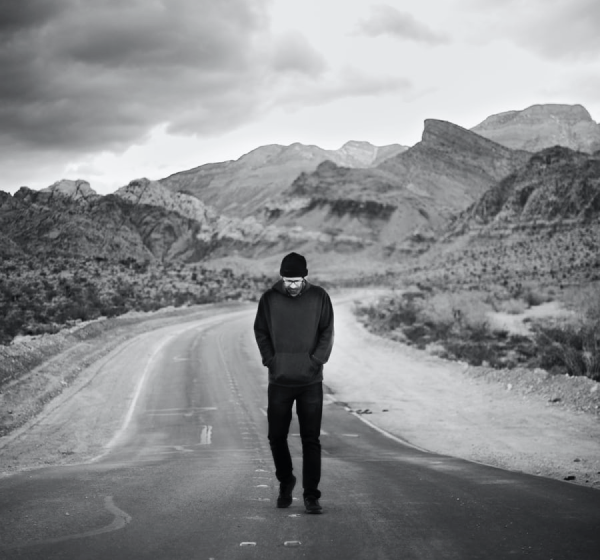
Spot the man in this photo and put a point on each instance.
(294, 333)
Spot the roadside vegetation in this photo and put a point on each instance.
(45, 297)
(459, 325)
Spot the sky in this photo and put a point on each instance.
(113, 90)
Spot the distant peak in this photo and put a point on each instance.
(75, 188)
(357, 144)
(562, 113)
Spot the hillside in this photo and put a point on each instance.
(403, 201)
(540, 225)
(241, 188)
(543, 126)
(504, 216)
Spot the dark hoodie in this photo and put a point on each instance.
(294, 334)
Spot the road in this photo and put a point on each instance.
(188, 475)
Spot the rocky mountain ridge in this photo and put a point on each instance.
(557, 185)
(543, 126)
(240, 188)
(403, 201)
(400, 205)
(538, 226)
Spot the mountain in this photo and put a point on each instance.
(142, 221)
(404, 200)
(242, 187)
(556, 185)
(540, 224)
(543, 126)
(73, 189)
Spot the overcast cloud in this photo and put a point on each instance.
(387, 20)
(116, 68)
(103, 86)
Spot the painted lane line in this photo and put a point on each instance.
(247, 543)
(388, 435)
(206, 435)
(261, 486)
(263, 411)
(292, 543)
(179, 410)
(138, 392)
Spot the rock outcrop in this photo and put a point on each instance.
(78, 189)
(556, 185)
(543, 126)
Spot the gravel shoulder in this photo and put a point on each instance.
(518, 420)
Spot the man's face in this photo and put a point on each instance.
(293, 285)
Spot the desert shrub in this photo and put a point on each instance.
(461, 311)
(532, 294)
(586, 302)
(473, 352)
(512, 306)
(574, 349)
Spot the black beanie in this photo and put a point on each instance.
(293, 266)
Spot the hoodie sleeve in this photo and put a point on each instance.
(262, 332)
(326, 332)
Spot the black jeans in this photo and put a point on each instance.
(309, 408)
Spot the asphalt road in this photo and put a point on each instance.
(189, 476)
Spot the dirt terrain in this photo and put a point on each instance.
(519, 420)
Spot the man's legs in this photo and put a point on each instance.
(279, 415)
(309, 407)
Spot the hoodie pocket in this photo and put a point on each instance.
(293, 369)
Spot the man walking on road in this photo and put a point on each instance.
(294, 333)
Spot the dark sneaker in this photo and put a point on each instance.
(285, 493)
(312, 505)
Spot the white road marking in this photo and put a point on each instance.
(138, 392)
(206, 435)
(388, 435)
(179, 410)
(247, 543)
(263, 411)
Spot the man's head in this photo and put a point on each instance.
(293, 270)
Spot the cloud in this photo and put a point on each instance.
(293, 53)
(571, 30)
(347, 82)
(561, 29)
(386, 20)
(84, 76)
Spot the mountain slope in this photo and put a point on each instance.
(405, 199)
(540, 224)
(543, 126)
(241, 188)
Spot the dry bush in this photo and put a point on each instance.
(574, 345)
(512, 306)
(462, 310)
(585, 300)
